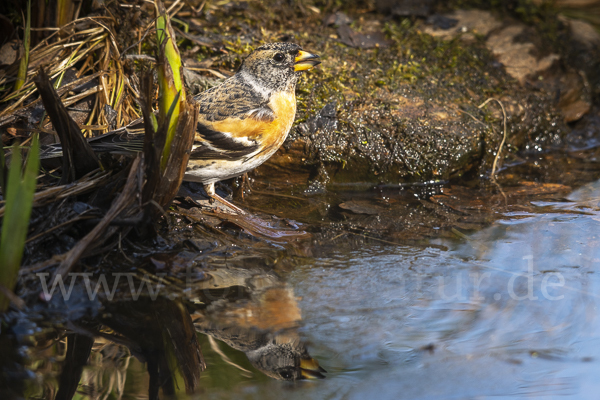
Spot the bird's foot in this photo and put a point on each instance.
(230, 205)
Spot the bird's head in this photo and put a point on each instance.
(278, 65)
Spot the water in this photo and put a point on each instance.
(509, 311)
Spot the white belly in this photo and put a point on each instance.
(219, 170)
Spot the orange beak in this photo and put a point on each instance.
(310, 369)
(305, 61)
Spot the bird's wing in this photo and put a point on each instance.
(212, 143)
(232, 120)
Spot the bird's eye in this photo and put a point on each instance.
(287, 375)
(278, 57)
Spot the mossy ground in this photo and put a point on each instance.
(404, 111)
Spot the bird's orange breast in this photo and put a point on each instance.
(270, 134)
(283, 105)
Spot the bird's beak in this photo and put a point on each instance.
(304, 60)
(310, 369)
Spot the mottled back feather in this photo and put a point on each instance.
(234, 98)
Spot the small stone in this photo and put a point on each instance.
(574, 111)
(516, 57)
(583, 32)
(338, 19)
(475, 21)
(9, 52)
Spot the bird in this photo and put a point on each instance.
(242, 122)
(281, 355)
(262, 321)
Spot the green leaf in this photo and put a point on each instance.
(24, 64)
(19, 200)
(170, 80)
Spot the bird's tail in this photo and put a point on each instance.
(128, 140)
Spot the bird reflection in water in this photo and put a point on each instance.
(259, 317)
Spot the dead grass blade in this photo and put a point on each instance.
(56, 193)
(78, 156)
(92, 48)
(24, 63)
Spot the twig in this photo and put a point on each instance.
(66, 223)
(16, 300)
(121, 250)
(217, 349)
(472, 116)
(494, 165)
(59, 192)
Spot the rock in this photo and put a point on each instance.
(582, 52)
(468, 22)
(359, 40)
(325, 120)
(574, 111)
(9, 52)
(337, 19)
(361, 207)
(442, 21)
(411, 112)
(517, 57)
(583, 32)
(373, 37)
(573, 102)
(405, 8)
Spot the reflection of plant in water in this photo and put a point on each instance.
(107, 372)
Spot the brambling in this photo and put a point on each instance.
(245, 119)
(242, 121)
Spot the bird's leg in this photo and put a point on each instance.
(210, 191)
(209, 188)
(246, 183)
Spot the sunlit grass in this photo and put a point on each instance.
(169, 80)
